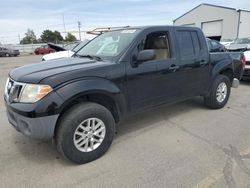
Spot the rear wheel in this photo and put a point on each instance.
(7, 55)
(220, 92)
(85, 132)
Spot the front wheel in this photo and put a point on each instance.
(85, 132)
(220, 92)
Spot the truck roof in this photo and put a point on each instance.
(99, 31)
(154, 27)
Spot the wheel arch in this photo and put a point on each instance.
(108, 96)
(223, 68)
(103, 98)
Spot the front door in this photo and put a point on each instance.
(152, 83)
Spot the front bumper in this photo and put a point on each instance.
(41, 128)
(36, 120)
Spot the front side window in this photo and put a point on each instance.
(109, 45)
(158, 41)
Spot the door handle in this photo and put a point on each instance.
(174, 67)
(202, 62)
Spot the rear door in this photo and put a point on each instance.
(194, 62)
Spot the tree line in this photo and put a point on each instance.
(46, 36)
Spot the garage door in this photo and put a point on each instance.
(212, 29)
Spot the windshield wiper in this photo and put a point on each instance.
(90, 57)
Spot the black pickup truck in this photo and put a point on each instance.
(78, 101)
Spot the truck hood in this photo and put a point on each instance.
(34, 73)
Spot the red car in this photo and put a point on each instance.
(44, 50)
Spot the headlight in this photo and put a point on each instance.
(32, 93)
(6, 86)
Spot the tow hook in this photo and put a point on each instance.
(235, 83)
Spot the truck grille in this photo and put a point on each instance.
(13, 90)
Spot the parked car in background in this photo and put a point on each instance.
(226, 42)
(45, 49)
(79, 101)
(68, 51)
(246, 74)
(241, 44)
(215, 46)
(7, 52)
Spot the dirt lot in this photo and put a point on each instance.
(183, 145)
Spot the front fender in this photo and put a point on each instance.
(75, 89)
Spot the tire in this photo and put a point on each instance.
(7, 55)
(69, 125)
(218, 99)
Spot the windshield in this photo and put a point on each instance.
(70, 46)
(80, 45)
(109, 45)
(242, 41)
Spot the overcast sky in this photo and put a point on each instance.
(18, 15)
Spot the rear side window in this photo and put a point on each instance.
(185, 44)
(196, 41)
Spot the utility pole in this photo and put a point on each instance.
(239, 22)
(64, 25)
(19, 38)
(79, 29)
(3, 41)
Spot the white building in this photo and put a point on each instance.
(217, 22)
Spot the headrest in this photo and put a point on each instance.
(160, 43)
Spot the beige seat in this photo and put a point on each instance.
(161, 48)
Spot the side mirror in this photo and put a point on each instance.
(146, 55)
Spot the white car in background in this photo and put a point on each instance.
(240, 44)
(226, 42)
(246, 73)
(68, 51)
